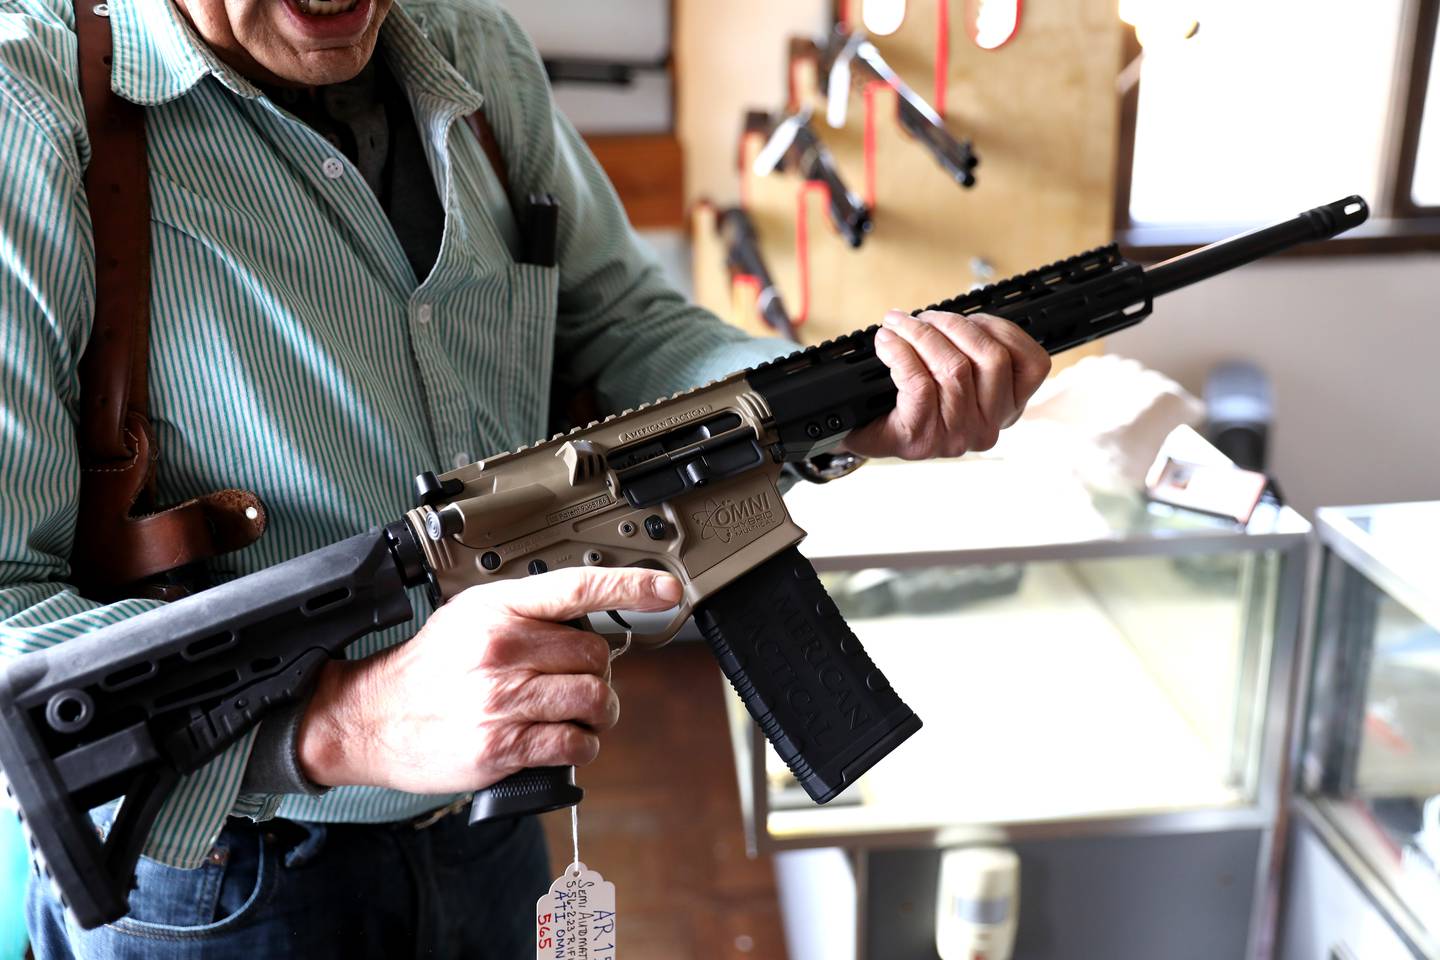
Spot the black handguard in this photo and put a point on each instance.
(817, 696)
(127, 710)
(819, 394)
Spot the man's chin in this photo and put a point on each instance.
(317, 68)
(324, 48)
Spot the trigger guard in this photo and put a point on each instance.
(652, 641)
(649, 641)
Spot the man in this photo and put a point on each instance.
(335, 304)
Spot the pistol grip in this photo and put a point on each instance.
(533, 791)
(817, 696)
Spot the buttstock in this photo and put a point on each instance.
(129, 708)
(803, 675)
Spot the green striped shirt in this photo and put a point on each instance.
(293, 350)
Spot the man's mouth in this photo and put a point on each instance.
(330, 23)
(325, 8)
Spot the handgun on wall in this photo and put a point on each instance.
(836, 59)
(690, 484)
(744, 258)
(795, 139)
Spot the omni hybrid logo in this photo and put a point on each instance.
(728, 518)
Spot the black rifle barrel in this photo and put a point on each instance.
(1318, 223)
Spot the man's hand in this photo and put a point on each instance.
(961, 380)
(492, 684)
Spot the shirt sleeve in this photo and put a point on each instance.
(620, 325)
(46, 308)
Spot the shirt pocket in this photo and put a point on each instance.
(534, 294)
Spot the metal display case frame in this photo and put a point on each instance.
(1325, 745)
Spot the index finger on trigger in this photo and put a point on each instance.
(563, 595)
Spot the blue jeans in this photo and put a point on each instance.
(284, 889)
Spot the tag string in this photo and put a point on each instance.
(575, 809)
(575, 836)
(618, 651)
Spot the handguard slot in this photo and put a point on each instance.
(1065, 304)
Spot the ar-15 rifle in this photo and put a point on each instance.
(743, 257)
(689, 485)
(918, 118)
(793, 137)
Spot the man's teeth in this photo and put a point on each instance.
(326, 8)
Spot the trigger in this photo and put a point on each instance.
(615, 615)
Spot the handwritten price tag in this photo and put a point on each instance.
(576, 919)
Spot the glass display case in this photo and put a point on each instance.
(1087, 665)
(1074, 656)
(1368, 767)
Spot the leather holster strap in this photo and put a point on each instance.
(483, 132)
(113, 369)
(119, 541)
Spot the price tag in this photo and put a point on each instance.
(576, 919)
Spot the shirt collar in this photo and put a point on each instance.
(157, 57)
(419, 66)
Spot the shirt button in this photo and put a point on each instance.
(332, 168)
(423, 314)
(462, 459)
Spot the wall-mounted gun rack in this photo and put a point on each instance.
(1018, 171)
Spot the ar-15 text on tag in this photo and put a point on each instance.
(576, 919)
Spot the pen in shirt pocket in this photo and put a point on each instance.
(538, 230)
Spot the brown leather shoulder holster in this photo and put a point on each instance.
(124, 545)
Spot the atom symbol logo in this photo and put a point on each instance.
(710, 526)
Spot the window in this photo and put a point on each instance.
(1270, 108)
(1426, 192)
(1425, 189)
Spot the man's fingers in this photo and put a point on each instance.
(992, 371)
(562, 595)
(947, 364)
(953, 376)
(545, 648)
(913, 421)
(907, 369)
(1029, 361)
(576, 698)
(550, 745)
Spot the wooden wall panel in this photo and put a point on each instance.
(730, 57)
(1042, 113)
(648, 173)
